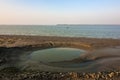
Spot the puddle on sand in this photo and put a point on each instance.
(55, 54)
(71, 59)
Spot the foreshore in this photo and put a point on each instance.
(53, 41)
(12, 44)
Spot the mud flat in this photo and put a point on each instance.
(100, 61)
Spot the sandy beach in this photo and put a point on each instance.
(46, 42)
(103, 56)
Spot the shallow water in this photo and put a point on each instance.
(98, 60)
(55, 54)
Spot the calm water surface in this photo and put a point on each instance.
(55, 54)
(96, 31)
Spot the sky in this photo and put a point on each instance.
(47, 12)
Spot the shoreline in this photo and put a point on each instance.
(55, 41)
(20, 44)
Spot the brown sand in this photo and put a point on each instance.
(98, 49)
(103, 54)
(48, 42)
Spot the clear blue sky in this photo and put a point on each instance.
(59, 11)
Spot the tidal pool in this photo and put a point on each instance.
(71, 59)
(55, 54)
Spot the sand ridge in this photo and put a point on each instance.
(46, 42)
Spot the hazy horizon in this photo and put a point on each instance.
(59, 24)
(53, 12)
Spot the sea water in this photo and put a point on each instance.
(92, 31)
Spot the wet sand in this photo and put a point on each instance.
(48, 42)
(102, 54)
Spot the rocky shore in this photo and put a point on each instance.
(15, 74)
(10, 45)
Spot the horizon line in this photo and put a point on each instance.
(54, 24)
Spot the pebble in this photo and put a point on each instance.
(111, 74)
(60, 76)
